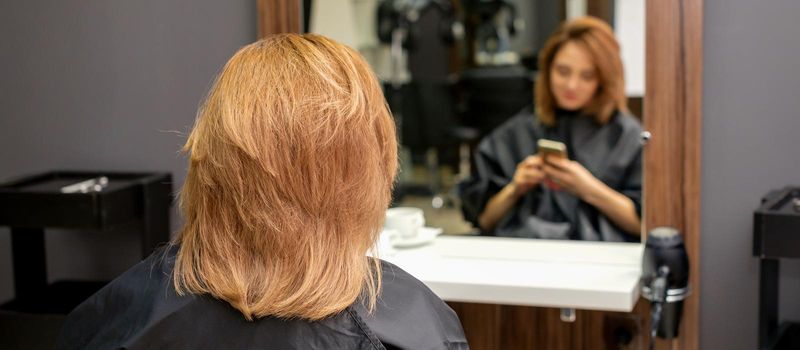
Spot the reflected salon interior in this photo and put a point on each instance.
(399, 174)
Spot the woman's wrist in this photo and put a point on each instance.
(513, 190)
(498, 206)
(595, 194)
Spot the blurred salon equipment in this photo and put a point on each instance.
(776, 235)
(497, 23)
(421, 35)
(441, 110)
(96, 201)
(665, 280)
(496, 85)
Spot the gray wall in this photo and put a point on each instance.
(751, 125)
(105, 85)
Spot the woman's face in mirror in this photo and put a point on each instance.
(573, 77)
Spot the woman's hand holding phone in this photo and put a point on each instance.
(571, 176)
(528, 175)
(552, 167)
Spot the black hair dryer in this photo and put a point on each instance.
(665, 280)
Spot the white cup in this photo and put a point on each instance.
(406, 221)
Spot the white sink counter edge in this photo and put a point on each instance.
(529, 272)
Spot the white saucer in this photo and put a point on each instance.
(425, 236)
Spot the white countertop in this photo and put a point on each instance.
(531, 272)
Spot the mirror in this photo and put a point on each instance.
(456, 72)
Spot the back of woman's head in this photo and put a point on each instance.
(597, 39)
(292, 161)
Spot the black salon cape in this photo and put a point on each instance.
(611, 152)
(140, 310)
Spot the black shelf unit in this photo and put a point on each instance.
(31, 204)
(776, 236)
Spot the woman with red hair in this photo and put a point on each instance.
(291, 165)
(595, 192)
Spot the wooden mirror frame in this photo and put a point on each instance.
(673, 114)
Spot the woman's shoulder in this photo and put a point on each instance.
(141, 310)
(409, 315)
(140, 307)
(518, 129)
(124, 307)
(628, 121)
(399, 286)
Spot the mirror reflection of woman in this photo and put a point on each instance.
(594, 193)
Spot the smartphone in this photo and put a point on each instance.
(548, 148)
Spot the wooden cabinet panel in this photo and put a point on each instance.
(481, 323)
(522, 327)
